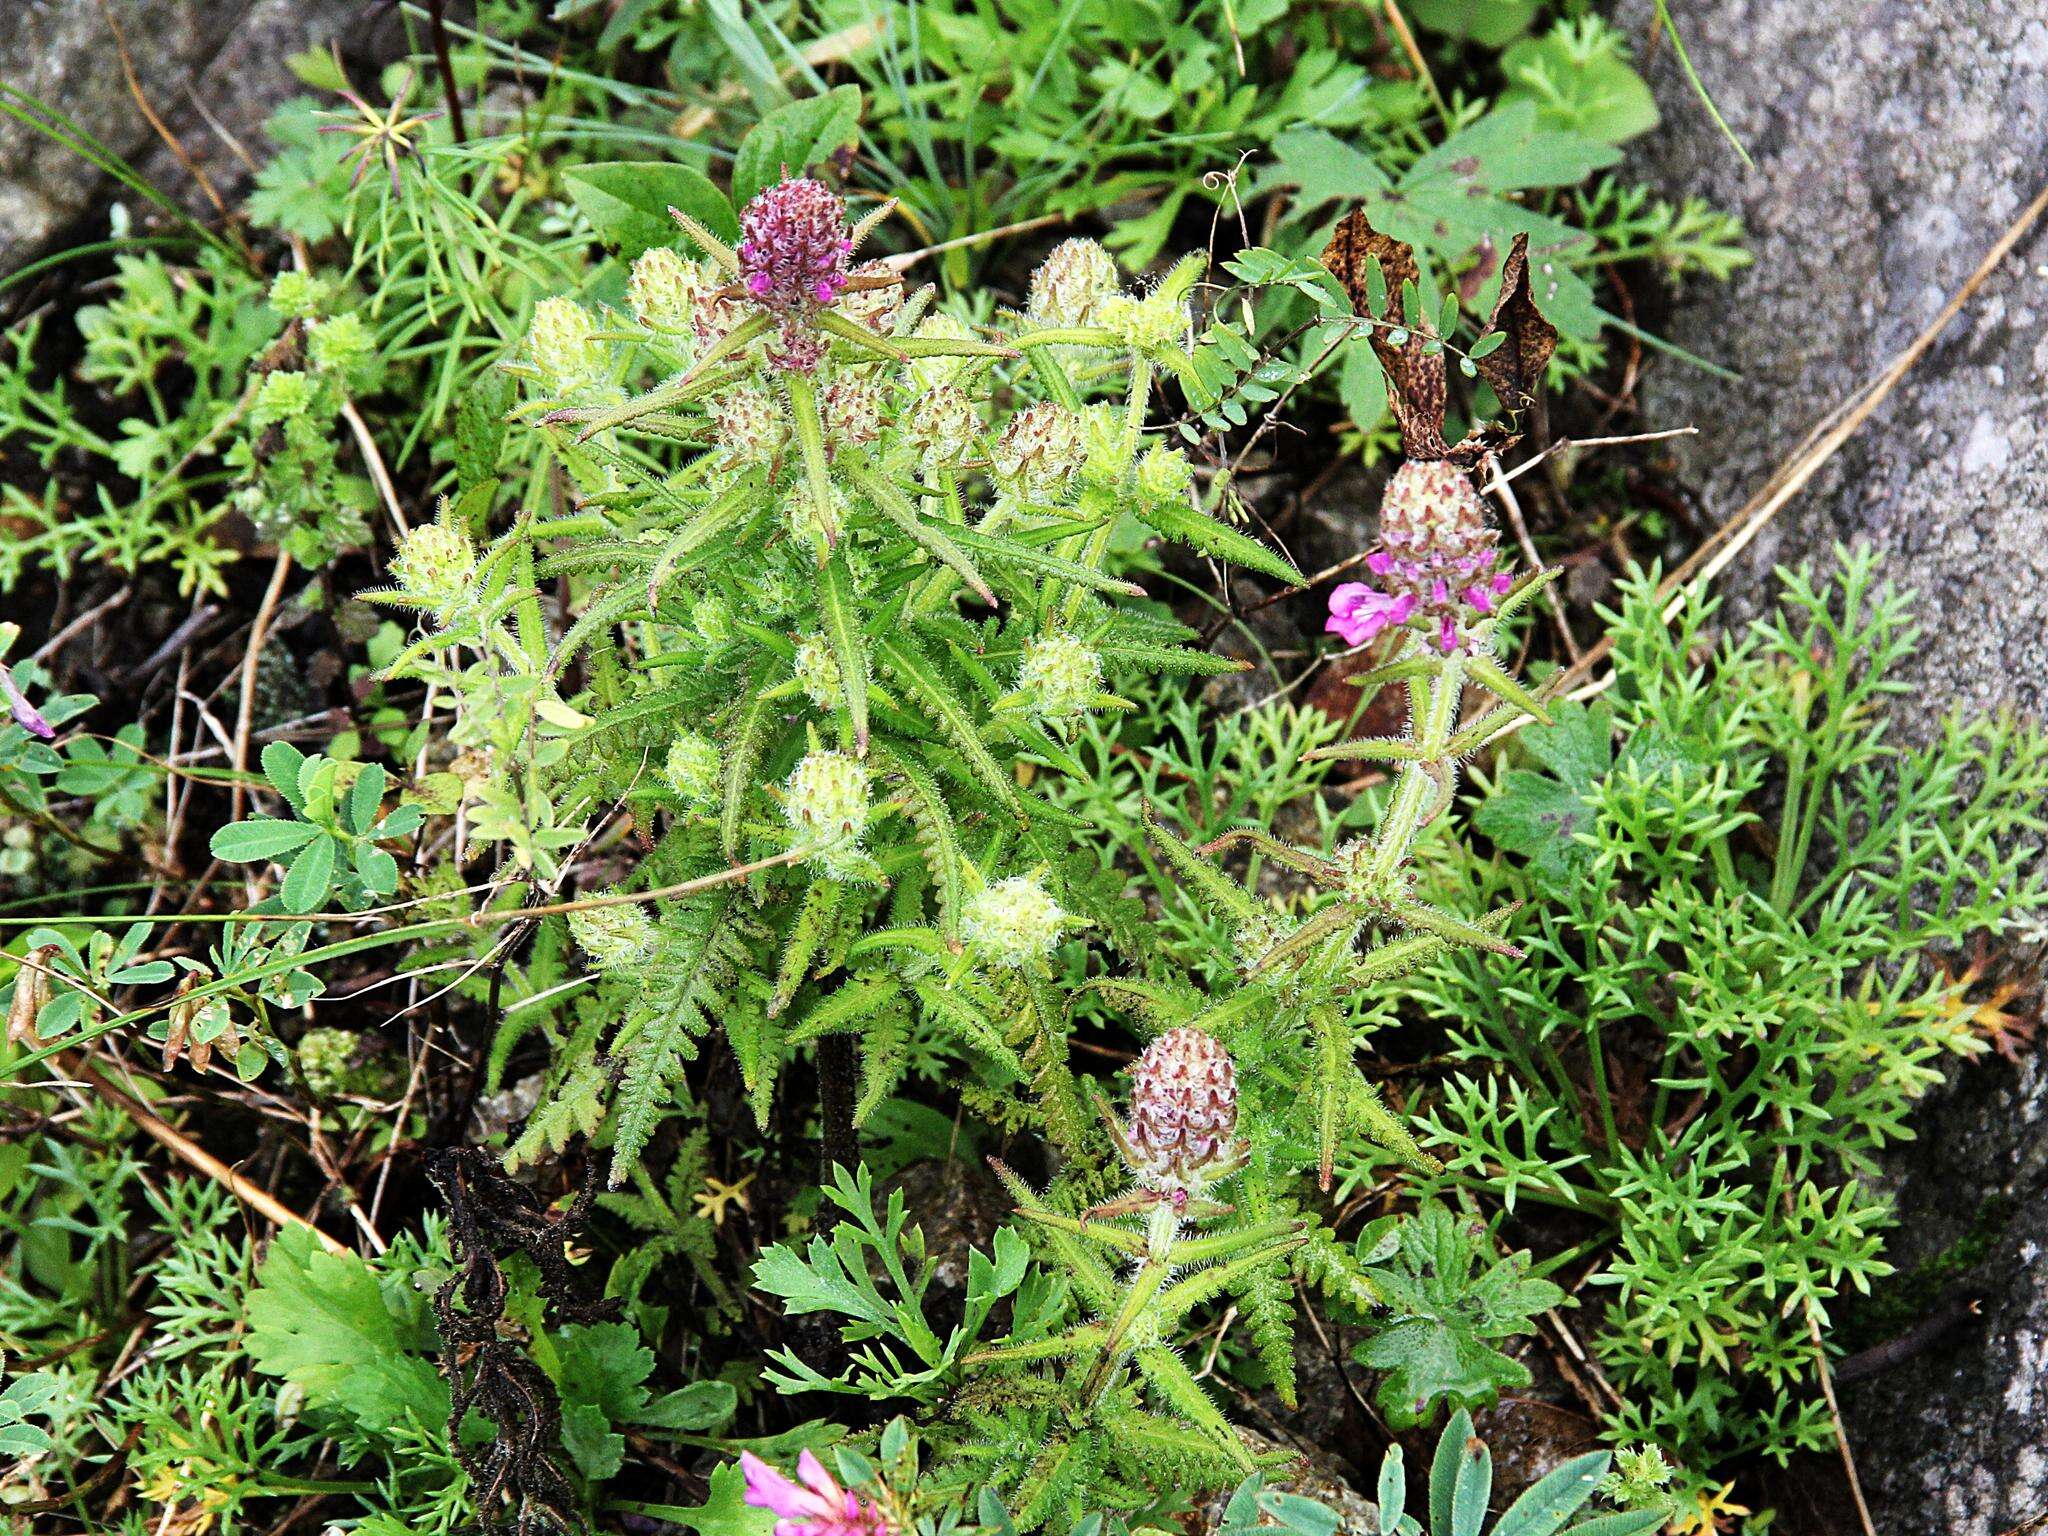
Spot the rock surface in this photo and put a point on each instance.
(1894, 143)
(212, 69)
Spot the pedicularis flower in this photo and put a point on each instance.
(1183, 1109)
(1436, 561)
(794, 255)
(1014, 922)
(813, 1504)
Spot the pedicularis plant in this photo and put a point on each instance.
(844, 579)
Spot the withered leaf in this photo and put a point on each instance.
(1417, 380)
(1416, 385)
(1515, 368)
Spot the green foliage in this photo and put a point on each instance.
(1434, 1344)
(1728, 1010)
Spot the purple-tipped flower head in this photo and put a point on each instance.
(1183, 1108)
(794, 245)
(1437, 559)
(813, 1504)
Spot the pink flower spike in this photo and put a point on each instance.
(1502, 581)
(26, 715)
(1447, 637)
(1479, 598)
(812, 1505)
(1358, 612)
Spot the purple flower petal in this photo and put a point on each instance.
(26, 715)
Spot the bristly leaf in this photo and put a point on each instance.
(840, 619)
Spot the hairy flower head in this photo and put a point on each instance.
(563, 348)
(691, 768)
(817, 673)
(1013, 922)
(749, 423)
(1437, 561)
(1070, 285)
(941, 425)
(434, 564)
(664, 290)
(1059, 676)
(1039, 450)
(1183, 1109)
(826, 800)
(617, 937)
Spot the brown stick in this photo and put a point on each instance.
(192, 1153)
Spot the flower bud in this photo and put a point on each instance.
(664, 289)
(1164, 476)
(1183, 1109)
(1145, 325)
(1040, 450)
(817, 673)
(749, 423)
(876, 307)
(851, 406)
(1013, 922)
(941, 425)
(828, 796)
(434, 564)
(691, 768)
(1071, 284)
(1432, 513)
(1059, 676)
(711, 618)
(616, 938)
(562, 348)
(931, 372)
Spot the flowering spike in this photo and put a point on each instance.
(1183, 1110)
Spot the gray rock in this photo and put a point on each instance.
(213, 70)
(1894, 144)
(1954, 1437)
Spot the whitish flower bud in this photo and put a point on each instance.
(562, 347)
(692, 768)
(663, 290)
(817, 673)
(434, 564)
(931, 372)
(941, 425)
(1071, 284)
(1060, 676)
(1183, 1109)
(1431, 512)
(616, 938)
(1013, 922)
(851, 406)
(826, 800)
(1146, 325)
(1164, 476)
(1040, 450)
(750, 425)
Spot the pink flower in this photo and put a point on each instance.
(1358, 612)
(794, 245)
(26, 715)
(814, 1504)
